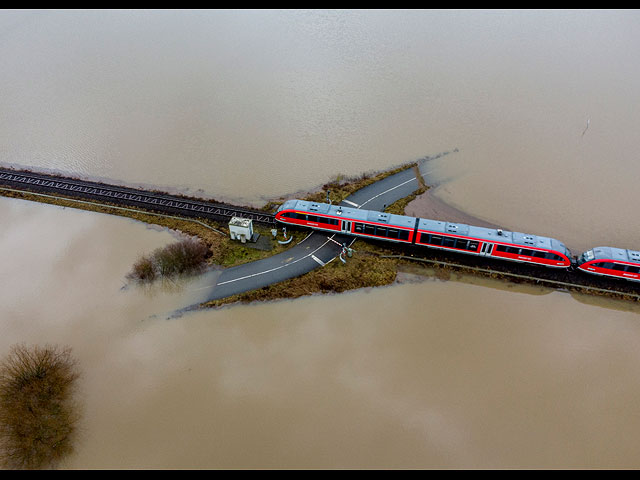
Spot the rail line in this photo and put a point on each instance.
(40, 183)
(540, 279)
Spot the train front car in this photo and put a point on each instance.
(611, 262)
(351, 221)
(319, 216)
(495, 243)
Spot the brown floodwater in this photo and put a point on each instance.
(465, 373)
(457, 374)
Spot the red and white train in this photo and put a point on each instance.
(457, 237)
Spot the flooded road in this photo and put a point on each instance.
(252, 105)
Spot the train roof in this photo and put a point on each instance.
(488, 234)
(493, 235)
(351, 213)
(613, 253)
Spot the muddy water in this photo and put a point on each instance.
(424, 374)
(246, 105)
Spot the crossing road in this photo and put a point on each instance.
(318, 248)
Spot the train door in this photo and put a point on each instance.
(346, 226)
(487, 249)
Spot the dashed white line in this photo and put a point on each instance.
(351, 203)
(322, 264)
(279, 267)
(321, 246)
(387, 191)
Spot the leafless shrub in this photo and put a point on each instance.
(37, 411)
(186, 256)
(143, 269)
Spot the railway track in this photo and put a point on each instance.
(564, 279)
(154, 201)
(190, 207)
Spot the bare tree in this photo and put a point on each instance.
(38, 414)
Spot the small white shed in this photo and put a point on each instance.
(241, 229)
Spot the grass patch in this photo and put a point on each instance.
(362, 270)
(341, 187)
(398, 207)
(37, 411)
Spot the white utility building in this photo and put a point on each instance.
(241, 229)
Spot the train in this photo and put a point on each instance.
(457, 237)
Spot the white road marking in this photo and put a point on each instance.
(387, 191)
(337, 243)
(277, 268)
(351, 203)
(321, 246)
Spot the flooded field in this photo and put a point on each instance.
(252, 105)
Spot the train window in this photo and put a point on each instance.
(392, 233)
(619, 267)
(539, 254)
(370, 229)
(301, 216)
(448, 242)
(501, 248)
(312, 218)
(462, 243)
(403, 235)
(526, 252)
(286, 215)
(633, 269)
(381, 231)
(358, 227)
(435, 240)
(473, 246)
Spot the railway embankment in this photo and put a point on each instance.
(372, 264)
(117, 200)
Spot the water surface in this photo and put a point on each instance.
(258, 104)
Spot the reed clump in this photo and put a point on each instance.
(38, 414)
(186, 256)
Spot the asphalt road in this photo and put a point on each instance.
(317, 249)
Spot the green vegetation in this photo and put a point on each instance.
(37, 411)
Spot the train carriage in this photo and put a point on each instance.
(611, 262)
(351, 221)
(496, 243)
